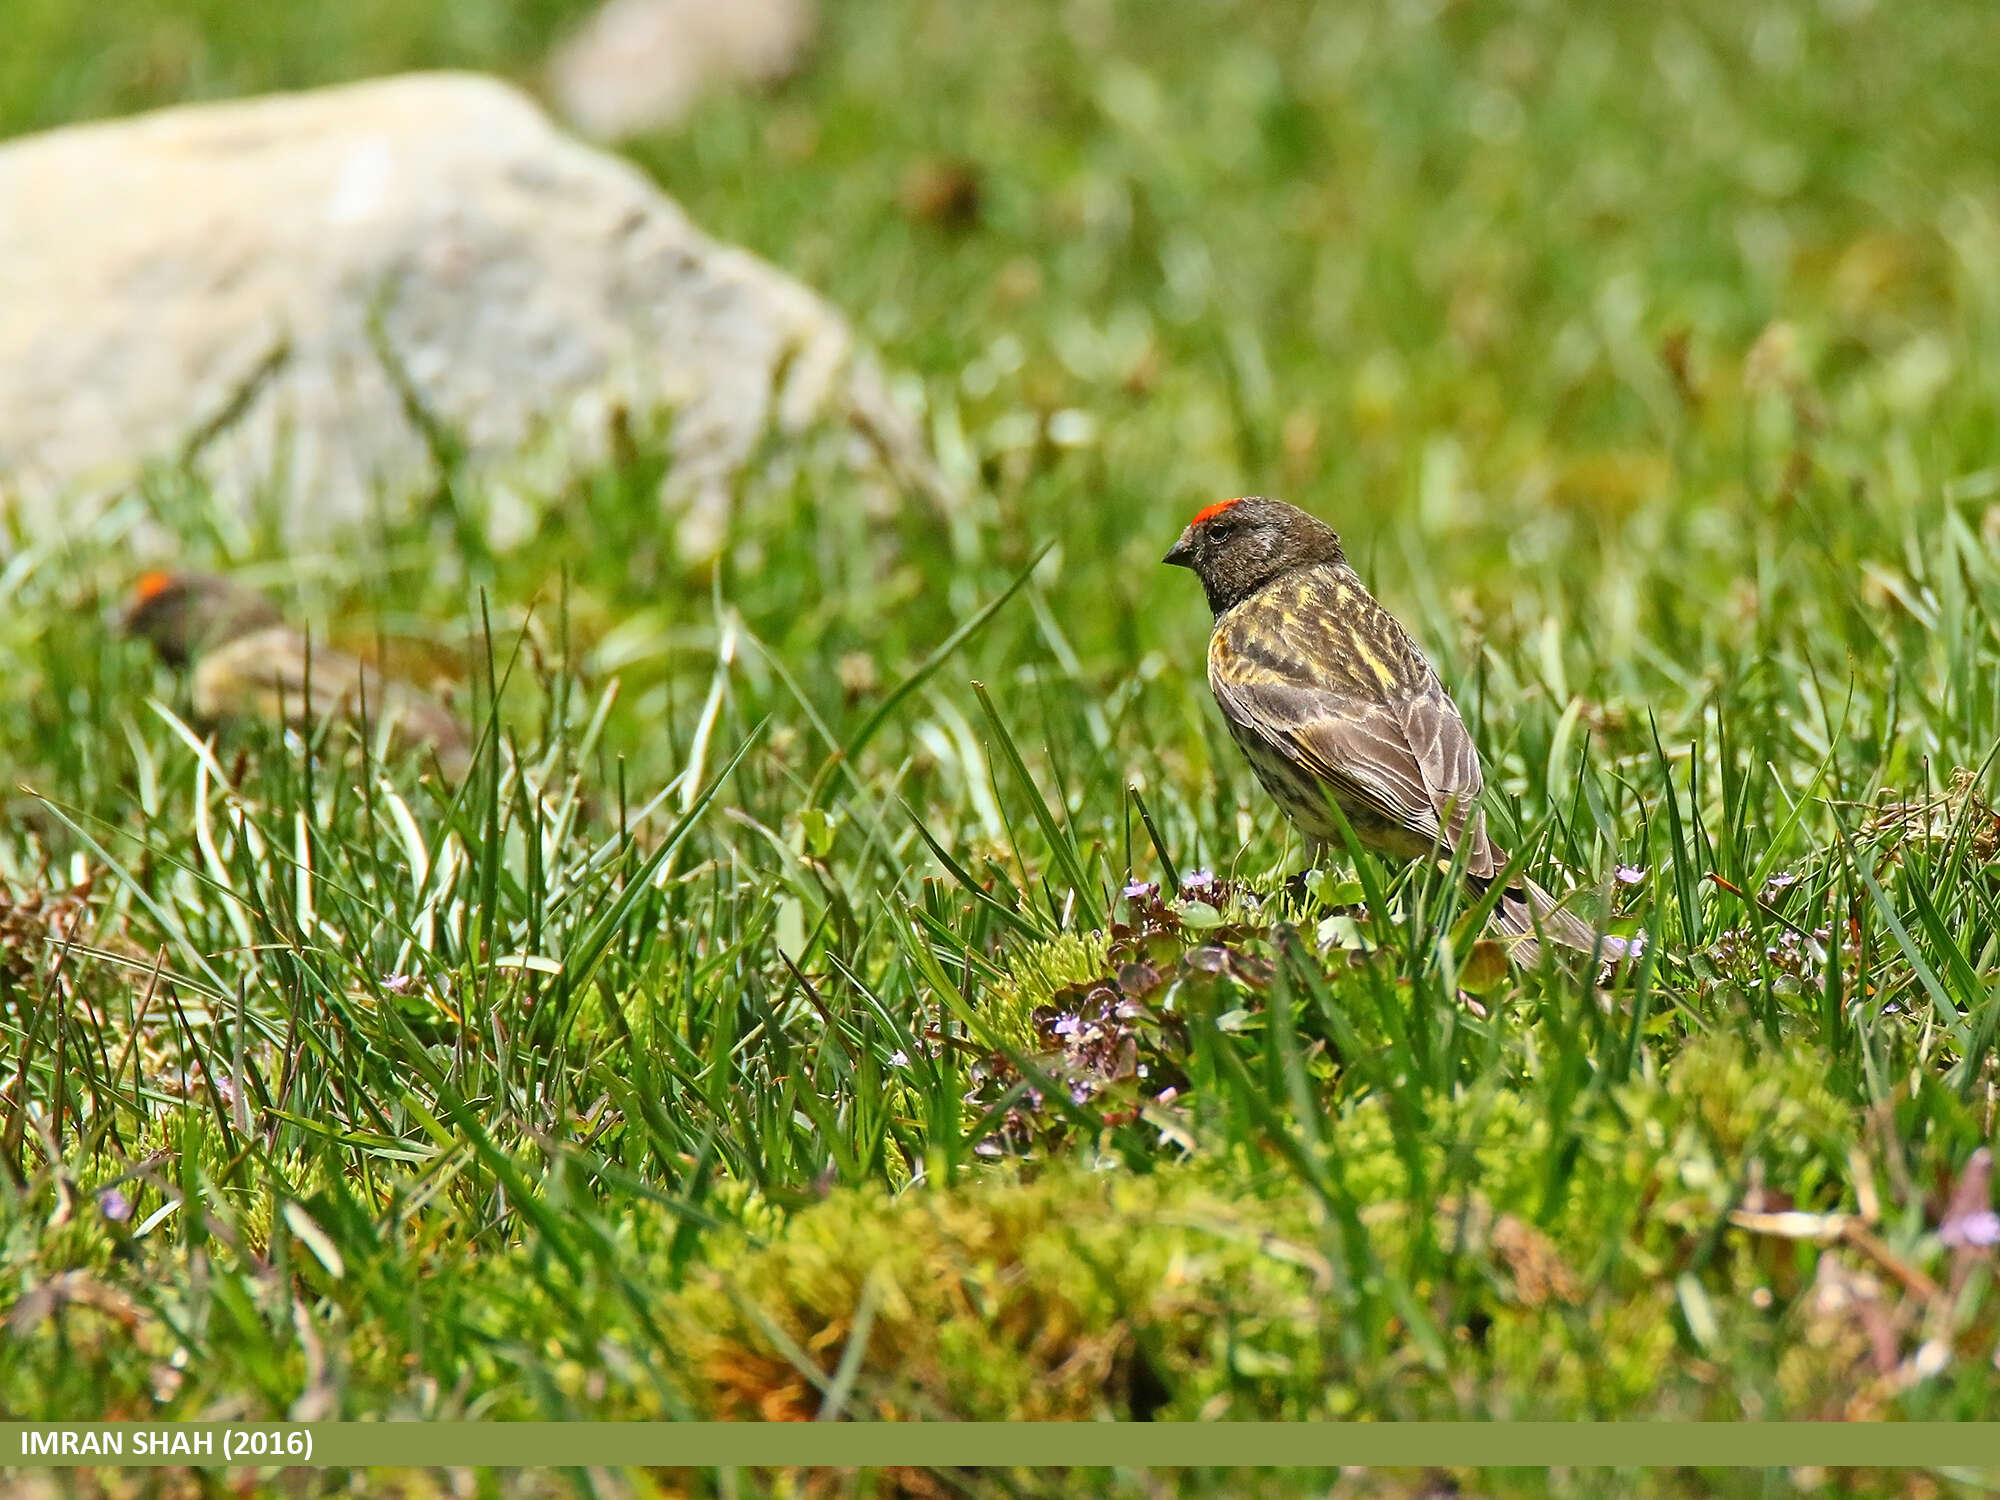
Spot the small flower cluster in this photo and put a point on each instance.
(35, 925)
(1116, 1043)
(1802, 956)
(1960, 810)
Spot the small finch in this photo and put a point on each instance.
(248, 663)
(1330, 699)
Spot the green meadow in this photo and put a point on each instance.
(859, 977)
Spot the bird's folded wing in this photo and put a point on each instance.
(1449, 762)
(270, 674)
(1401, 751)
(1356, 747)
(276, 674)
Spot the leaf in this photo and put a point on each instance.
(893, 699)
(1198, 915)
(1058, 838)
(314, 1239)
(1485, 967)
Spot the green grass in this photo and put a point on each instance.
(1649, 366)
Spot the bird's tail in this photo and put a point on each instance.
(1525, 904)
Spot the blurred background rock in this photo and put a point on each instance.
(639, 65)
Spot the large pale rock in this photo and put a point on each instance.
(638, 65)
(220, 282)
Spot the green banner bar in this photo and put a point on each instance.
(982, 1444)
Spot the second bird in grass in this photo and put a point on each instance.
(248, 663)
(1329, 698)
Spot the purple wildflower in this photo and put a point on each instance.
(1982, 1229)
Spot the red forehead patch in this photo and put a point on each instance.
(1210, 512)
(152, 585)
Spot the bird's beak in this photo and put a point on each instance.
(1182, 555)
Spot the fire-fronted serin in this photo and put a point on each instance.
(1330, 699)
(248, 663)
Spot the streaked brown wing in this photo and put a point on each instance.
(419, 719)
(1327, 677)
(265, 674)
(1449, 761)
